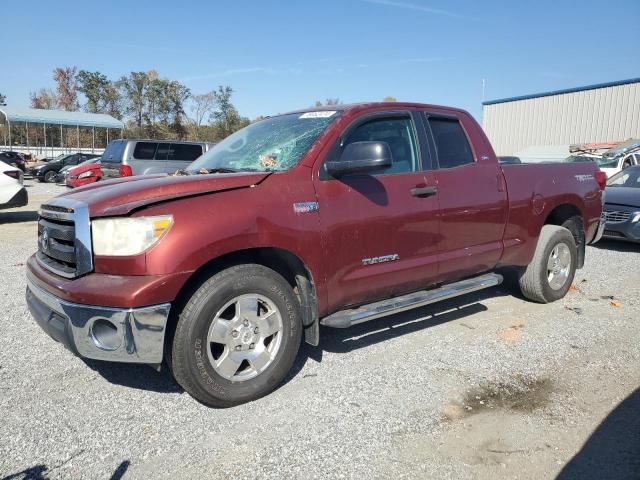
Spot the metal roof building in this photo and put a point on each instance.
(595, 113)
(22, 118)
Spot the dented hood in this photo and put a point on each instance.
(122, 195)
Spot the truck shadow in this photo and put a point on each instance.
(387, 328)
(613, 449)
(617, 245)
(141, 377)
(332, 340)
(18, 217)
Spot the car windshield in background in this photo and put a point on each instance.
(627, 178)
(600, 161)
(91, 160)
(273, 144)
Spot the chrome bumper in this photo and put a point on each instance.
(135, 335)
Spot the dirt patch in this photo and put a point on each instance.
(522, 396)
(511, 335)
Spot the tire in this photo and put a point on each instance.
(206, 369)
(50, 176)
(546, 280)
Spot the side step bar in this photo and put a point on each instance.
(347, 318)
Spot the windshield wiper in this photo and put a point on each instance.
(222, 170)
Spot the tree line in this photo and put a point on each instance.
(150, 106)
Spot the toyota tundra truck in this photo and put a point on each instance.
(329, 216)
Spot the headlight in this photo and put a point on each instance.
(636, 218)
(85, 174)
(120, 237)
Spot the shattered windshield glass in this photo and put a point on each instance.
(273, 144)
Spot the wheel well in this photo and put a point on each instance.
(570, 217)
(292, 269)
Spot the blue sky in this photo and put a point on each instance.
(279, 56)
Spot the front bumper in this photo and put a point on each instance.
(626, 230)
(135, 335)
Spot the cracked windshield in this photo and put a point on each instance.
(273, 144)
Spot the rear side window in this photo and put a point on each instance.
(451, 143)
(184, 151)
(144, 150)
(163, 151)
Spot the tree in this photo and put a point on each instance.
(94, 86)
(134, 88)
(226, 118)
(44, 98)
(389, 99)
(203, 106)
(3, 100)
(67, 87)
(328, 102)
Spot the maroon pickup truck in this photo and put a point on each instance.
(330, 216)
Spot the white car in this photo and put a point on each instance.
(611, 166)
(12, 191)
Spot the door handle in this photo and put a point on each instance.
(424, 191)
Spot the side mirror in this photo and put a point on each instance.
(361, 157)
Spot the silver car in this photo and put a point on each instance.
(143, 157)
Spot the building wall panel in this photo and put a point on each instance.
(595, 115)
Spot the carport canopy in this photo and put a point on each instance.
(24, 116)
(58, 117)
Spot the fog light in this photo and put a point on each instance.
(105, 334)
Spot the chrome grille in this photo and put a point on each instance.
(64, 238)
(616, 216)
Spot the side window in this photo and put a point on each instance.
(398, 134)
(144, 150)
(627, 162)
(187, 152)
(451, 143)
(163, 151)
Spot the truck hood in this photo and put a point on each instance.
(120, 196)
(629, 196)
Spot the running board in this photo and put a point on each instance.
(347, 318)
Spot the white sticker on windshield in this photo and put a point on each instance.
(323, 114)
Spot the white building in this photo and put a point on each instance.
(552, 121)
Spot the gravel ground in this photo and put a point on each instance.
(486, 386)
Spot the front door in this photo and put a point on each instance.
(380, 231)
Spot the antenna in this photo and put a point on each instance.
(484, 82)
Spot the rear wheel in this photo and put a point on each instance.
(237, 337)
(549, 275)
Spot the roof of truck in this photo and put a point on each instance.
(363, 105)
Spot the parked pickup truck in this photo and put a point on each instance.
(329, 216)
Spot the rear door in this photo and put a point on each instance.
(472, 195)
(380, 236)
(112, 159)
(181, 155)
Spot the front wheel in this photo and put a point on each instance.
(237, 337)
(549, 275)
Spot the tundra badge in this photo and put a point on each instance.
(382, 259)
